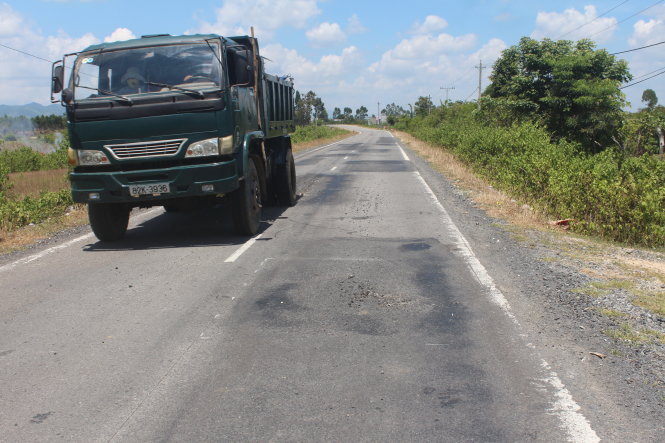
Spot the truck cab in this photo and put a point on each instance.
(175, 121)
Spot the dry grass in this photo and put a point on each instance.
(640, 272)
(28, 235)
(34, 182)
(298, 147)
(494, 202)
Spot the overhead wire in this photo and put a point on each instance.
(627, 18)
(637, 49)
(591, 21)
(648, 78)
(26, 53)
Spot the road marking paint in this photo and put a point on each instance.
(333, 168)
(311, 151)
(564, 406)
(406, 157)
(51, 250)
(45, 252)
(241, 250)
(346, 158)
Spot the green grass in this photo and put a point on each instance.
(600, 288)
(626, 333)
(309, 133)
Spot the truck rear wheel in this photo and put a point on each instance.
(247, 203)
(108, 220)
(285, 181)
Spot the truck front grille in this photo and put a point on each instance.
(161, 148)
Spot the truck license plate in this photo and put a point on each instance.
(150, 189)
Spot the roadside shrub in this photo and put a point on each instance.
(15, 213)
(609, 194)
(310, 132)
(24, 159)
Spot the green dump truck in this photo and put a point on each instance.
(178, 122)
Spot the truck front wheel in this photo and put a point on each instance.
(108, 220)
(285, 181)
(247, 203)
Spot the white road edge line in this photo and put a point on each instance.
(406, 157)
(573, 422)
(45, 252)
(241, 250)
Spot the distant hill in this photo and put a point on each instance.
(31, 110)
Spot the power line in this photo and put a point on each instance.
(469, 96)
(26, 53)
(591, 21)
(627, 18)
(648, 78)
(637, 49)
(648, 73)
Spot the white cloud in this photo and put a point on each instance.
(10, 21)
(120, 34)
(326, 34)
(62, 43)
(354, 26)
(24, 78)
(234, 17)
(647, 32)
(572, 24)
(308, 74)
(432, 23)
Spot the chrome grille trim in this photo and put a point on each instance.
(159, 148)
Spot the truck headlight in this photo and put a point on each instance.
(211, 146)
(89, 157)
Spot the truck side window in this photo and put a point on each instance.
(239, 62)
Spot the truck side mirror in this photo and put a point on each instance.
(57, 79)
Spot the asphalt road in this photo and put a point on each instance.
(360, 314)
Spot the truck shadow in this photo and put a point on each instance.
(201, 228)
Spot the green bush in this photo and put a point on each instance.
(15, 213)
(24, 159)
(610, 194)
(311, 132)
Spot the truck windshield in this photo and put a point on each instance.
(182, 68)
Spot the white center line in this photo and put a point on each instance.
(241, 250)
(333, 168)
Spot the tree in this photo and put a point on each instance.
(423, 106)
(361, 113)
(649, 97)
(393, 112)
(572, 88)
(337, 114)
(348, 114)
(302, 111)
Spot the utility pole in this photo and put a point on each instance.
(480, 81)
(447, 89)
(378, 113)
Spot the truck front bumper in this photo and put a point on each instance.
(184, 181)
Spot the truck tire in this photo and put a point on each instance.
(247, 203)
(108, 220)
(285, 181)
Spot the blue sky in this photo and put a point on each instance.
(350, 53)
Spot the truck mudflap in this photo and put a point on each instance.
(154, 184)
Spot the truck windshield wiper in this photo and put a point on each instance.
(165, 85)
(127, 99)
